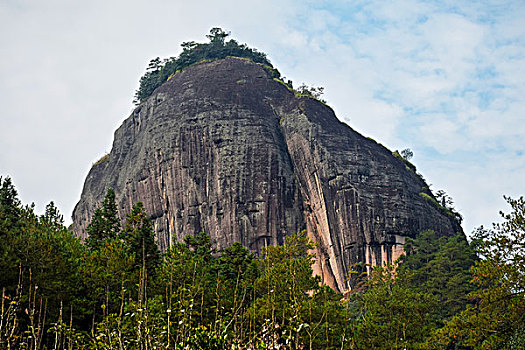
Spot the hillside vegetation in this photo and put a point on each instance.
(159, 71)
(117, 291)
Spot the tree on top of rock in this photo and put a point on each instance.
(159, 71)
(217, 35)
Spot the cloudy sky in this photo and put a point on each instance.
(443, 78)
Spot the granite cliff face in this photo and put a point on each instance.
(223, 148)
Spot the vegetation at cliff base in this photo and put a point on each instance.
(117, 291)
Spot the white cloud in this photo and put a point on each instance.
(441, 77)
(441, 134)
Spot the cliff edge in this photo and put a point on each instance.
(224, 148)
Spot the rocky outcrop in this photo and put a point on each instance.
(223, 148)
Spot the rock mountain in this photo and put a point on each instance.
(223, 148)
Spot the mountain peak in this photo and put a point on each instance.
(225, 147)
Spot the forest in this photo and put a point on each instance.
(117, 291)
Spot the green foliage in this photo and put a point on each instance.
(447, 209)
(311, 91)
(11, 213)
(10, 206)
(407, 154)
(287, 274)
(103, 159)
(302, 91)
(237, 271)
(39, 260)
(237, 262)
(429, 198)
(139, 237)
(284, 293)
(105, 224)
(392, 313)
(52, 217)
(405, 159)
(159, 71)
(187, 275)
(288, 85)
(497, 314)
(274, 73)
(516, 340)
(57, 294)
(202, 338)
(217, 35)
(440, 265)
(107, 272)
(398, 307)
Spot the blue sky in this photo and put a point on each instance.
(444, 78)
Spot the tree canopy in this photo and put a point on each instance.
(105, 224)
(496, 317)
(159, 71)
(121, 293)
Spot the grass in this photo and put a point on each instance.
(432, 200)
(101, 160)
(408, 165)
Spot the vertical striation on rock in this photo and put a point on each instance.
(223, 148)
(360, 201)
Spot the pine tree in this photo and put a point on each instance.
(105, 223)
(139, 237)
(440, 266)
(10, 206)
(495, 319)
(392, 313)
(52, 217)
(10, 223)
